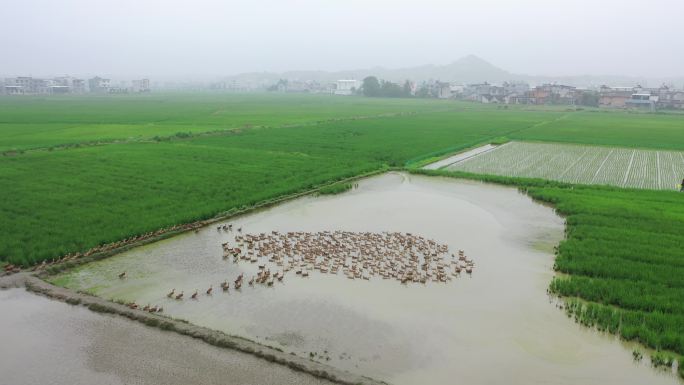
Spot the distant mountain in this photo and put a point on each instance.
(468, 69)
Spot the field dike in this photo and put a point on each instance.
(36, 285)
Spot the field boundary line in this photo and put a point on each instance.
(672, 166)
(529, 155)
(495, 147)
(601, 166)
(442, 163)
(629, 168)
(574, 163)
(658, 169)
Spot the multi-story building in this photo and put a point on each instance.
(78, 86)
(346, 87)
(99, 85)
(141, 85)
(615, 97)
(66, 84)
(643, 100)
(25, 85)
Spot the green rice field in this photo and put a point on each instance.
(611, 128)
(75, 168)
(77, 172)
(71, 199)
(43, 122)
(615, 166)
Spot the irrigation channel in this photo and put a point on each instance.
(496, 324)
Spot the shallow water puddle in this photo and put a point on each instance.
(500, 317)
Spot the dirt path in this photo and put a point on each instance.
(460, 157)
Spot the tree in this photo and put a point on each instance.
(423, 91)
(588, 98)
(280, 86)
(407, 89)
(391, 90)
(371, 86)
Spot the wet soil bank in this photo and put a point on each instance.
(212, 337)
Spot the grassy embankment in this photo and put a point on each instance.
(335, 188)
(622, 260)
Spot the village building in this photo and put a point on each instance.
(442, 90)
(615, 97)
(24, 85)
(99, 85)
(643, 100)
(140, 85)
(346, 87)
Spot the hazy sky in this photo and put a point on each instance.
(204, 38)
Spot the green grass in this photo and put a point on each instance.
(611, 128)
(335, 188)
(660, 359)
(57, 202)
(40, 122)
(622, 260)
(64, 201)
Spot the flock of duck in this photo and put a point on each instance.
(405, 257)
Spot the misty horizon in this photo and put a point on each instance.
(172, 40)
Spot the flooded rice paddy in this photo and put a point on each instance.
(50, 342)
(495, 324)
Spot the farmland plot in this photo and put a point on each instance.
(646, 169)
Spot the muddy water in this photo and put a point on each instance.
(49, 342)
(496, 325)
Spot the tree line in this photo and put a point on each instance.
(372, 87)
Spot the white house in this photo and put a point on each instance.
(346, 87)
